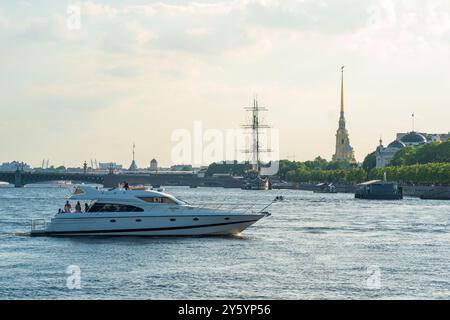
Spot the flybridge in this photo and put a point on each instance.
(94, 193)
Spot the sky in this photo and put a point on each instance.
(137, 71)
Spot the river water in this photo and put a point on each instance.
(312, 247)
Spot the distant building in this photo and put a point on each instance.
(75, 170)
(233, 168)
(344, 151)
(201, 173)
(15, 165)
(384, 155)
(153, 165)
(181, 167)
(133, 166)
(430, 137)
(109, 165)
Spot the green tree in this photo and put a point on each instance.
(286, 166)
(426, 174)
(370, 162)
(355, 176)
(318, 163)
(339, 165)
(405, 156)
(434, 152)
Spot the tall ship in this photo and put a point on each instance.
(253, 178)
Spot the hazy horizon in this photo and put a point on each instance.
(136, 71)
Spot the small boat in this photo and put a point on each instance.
(138, 212)
(284, 185)
(379, 190)
(325, 188)
(279, 199)
(6, 185)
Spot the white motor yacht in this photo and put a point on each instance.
(142, 212)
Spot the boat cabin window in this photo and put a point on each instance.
(165, 200)
(112, 207)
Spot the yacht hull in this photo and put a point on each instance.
(150, 226)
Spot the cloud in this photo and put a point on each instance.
(193, 27)
(335, 17)
(131, 62)
(224, 27)
(228, 27)
(403, 29)
(99, 10)
(3, 20)
(217, 27)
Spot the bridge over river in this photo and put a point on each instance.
(20, 179)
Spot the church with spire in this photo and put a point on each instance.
(133, 166)
(344, 151)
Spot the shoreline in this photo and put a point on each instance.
(409, 191)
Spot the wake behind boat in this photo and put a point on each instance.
(141, 212)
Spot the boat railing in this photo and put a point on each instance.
(38, 224)
(235, 207)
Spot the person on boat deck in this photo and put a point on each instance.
(86, 207)
(67, 207)
(78, 207)
(126, 186)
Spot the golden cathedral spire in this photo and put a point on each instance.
(344, 151)
(342, 91)
(342, 114)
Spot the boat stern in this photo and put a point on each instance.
(38, 227)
